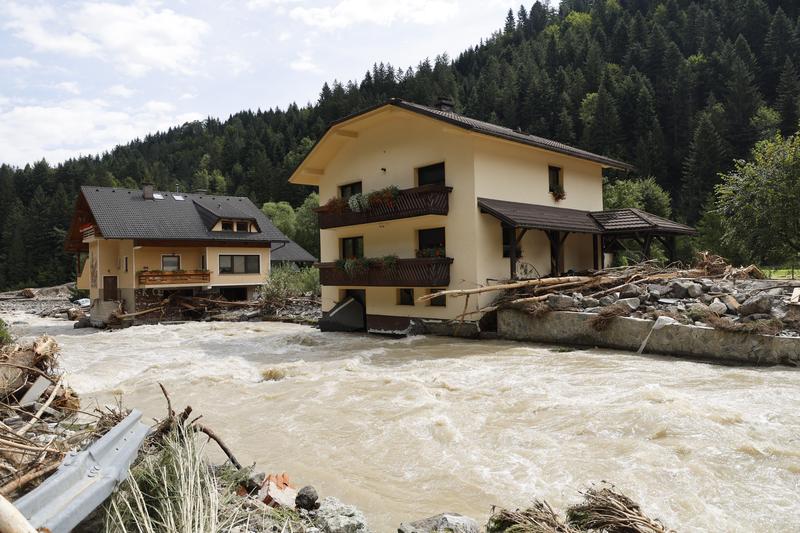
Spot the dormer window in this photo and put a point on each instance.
(243, 226)
(227, 225)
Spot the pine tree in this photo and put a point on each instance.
(707, 157)
(742, 100)
(788, 101)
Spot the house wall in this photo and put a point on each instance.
(517, 173)
(229, 280)
(149, 257)
(394, 144)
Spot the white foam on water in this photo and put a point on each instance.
(406, 428)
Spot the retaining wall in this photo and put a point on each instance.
(566, 327)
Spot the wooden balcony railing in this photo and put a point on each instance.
(418, 201)
(420, 272)
(88, 232)
(185, 277)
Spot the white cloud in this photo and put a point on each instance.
(381, 12)
(18, 62)
(261, 4)
(304, 63)
(237, 64)
(68, 87)
(187, 96)
(137, 38)
(71, 127)
(120, 91)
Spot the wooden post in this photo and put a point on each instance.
(596, 260)
(554, 241)
(512, 253)
(648, 240)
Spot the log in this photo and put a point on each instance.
(24, 429)
(11, 520)
(539, 282)
(221, 444)
(137, 313)
(24, 479)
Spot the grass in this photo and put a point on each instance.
(287, 282)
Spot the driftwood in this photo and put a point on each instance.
(11, 520)
(539, 282)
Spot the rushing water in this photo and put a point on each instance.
(407, 428)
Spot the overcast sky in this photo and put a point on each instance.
(80, 77)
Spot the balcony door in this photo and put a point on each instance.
(431, 243)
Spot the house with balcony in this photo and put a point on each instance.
(139, 246)
(418, 199)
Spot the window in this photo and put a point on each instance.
(431, 175)
(126, 263)
(239, 264)
(242, 226)
(353, 248)
(203, 262)
(227, 225)
(507, 233)
(405, 296)
(431, 242)
(556, 180)
(170, 263)
(346, 191)
(439, 301)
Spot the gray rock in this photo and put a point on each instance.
(590, 302)
(334, 516)
(608, 300)
(706, 298)
(660, 290)
(694, 290)
(441, 523)
(759, 304)
(755, 316)
(633, 303)
(307, 498)
(630, 291)
(731, 302)
(561, 302)
(718, 307)
(680, 289)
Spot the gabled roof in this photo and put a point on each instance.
(477, 126)
(291, 252)
(618, 221)
(632, 220)
(126, 214)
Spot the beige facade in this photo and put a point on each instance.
(385, 147)
(129, 264)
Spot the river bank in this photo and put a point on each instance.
(408, 428)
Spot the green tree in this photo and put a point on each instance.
(788, 101)
(307, 224)
(758, 200)
(707, 155)
(282, 216)
(644, 194)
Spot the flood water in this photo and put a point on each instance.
(407, 428)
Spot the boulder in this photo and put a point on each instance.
(441, 523)
(694, 290)
(83, 322)
(718, 307)
(679, 289)
(561, 302)
(307, 498)
(730, 302)
(630, 290)
(608, 300)
(660, 290)
(759, 304)
(633, 303)
(334, 516)
(75, 313)
(590, 302)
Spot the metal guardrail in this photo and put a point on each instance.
(85, 479)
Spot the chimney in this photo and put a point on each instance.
(445, 103)
(147, 191)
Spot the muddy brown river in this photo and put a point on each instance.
(407, 428)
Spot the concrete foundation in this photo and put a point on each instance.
(565, 327)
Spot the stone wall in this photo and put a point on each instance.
(565, 327)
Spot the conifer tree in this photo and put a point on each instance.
(788, 101)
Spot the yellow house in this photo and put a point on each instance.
(142, 245)
(423, 199)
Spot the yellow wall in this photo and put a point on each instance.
(394, 144)
(222, 280)
(475, 166)
(149, 257)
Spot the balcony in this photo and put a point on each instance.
(179, 277)
(419, 272)
(406, 203)
(88, 233)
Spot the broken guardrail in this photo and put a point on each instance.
(85, 479)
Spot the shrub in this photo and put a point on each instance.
(288, 281)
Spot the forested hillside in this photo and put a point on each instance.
(678, 88)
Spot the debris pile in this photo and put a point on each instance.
(710, 293)
(39, 422)
(602, 509)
